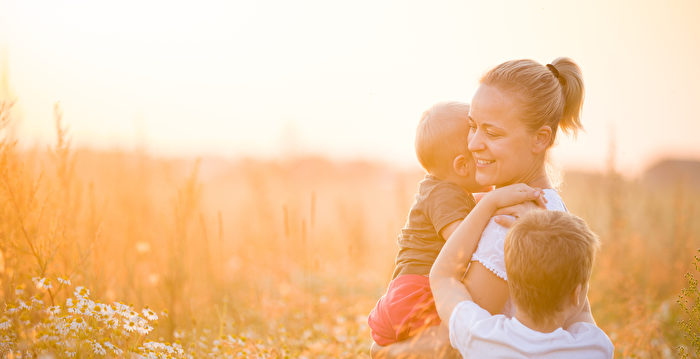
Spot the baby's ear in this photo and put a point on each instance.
(463, 165)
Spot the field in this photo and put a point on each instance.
(284, 258)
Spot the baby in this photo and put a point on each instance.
(443, 200)
(548, 258)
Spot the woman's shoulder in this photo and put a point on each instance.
(554, 201)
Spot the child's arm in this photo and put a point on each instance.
(446, 274)
(447, 231)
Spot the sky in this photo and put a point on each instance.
(350, 79)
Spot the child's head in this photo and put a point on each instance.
(548, 254)
(441, 143)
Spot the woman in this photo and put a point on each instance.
(514, 119)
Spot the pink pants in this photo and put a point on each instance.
(407, 308)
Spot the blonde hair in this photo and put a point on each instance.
(442, 135)
(547, 254)
(550, 96)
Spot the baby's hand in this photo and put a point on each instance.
(515, 194)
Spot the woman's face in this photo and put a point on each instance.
(500, 142)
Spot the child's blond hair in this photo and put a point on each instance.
(547, 254)
(442, 135)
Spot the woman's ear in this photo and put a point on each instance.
(463, 165)
(542, 139)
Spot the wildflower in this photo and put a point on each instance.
(69, 303)
(149, 314)
(70, 354)
(37, 302)
(77, 323)
(109, 345)
(97, 308)
(113, 348)
(63, 281)
(81, 292)
(98, 349)
(42, 283)
(112, 323)
(83, 307)
(22, 305)
(11, 309)
(143, 328)
(122, 309)
(19, 291)
(130, 325)
(53, 310)
(5, 324)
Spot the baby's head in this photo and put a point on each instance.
(549, 257)
(441, 144)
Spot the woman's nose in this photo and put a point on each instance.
(475, 141)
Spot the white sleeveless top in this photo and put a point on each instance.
(490, 249)
(493, 238)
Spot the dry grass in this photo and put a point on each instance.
(286, 258)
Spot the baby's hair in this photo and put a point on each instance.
(547, 254)
(551, 95)
(441, 135)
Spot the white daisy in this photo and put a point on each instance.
(143, 328)
(11, 309)
(63, 281)
(111, 322)
(130, 325)
(21, 304)
(98, 349)
(42, 283)
(77, 324)
(149, 314)
(81, 292)
(53, 310)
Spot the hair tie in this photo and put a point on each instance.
(554, 70)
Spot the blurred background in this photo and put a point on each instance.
(247, 165)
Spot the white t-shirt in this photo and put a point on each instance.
(489, 252)
(478, 334)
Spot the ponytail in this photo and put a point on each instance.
(549, 95)
(571, 81)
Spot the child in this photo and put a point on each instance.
(548, 258)
(443, 200)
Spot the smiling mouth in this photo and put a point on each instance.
(482, 163)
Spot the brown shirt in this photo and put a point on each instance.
(438, 203)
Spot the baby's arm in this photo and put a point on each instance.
(446, 274)
(447, 231)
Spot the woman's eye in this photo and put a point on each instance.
(491, 134)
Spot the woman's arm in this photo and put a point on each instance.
(487, 289)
